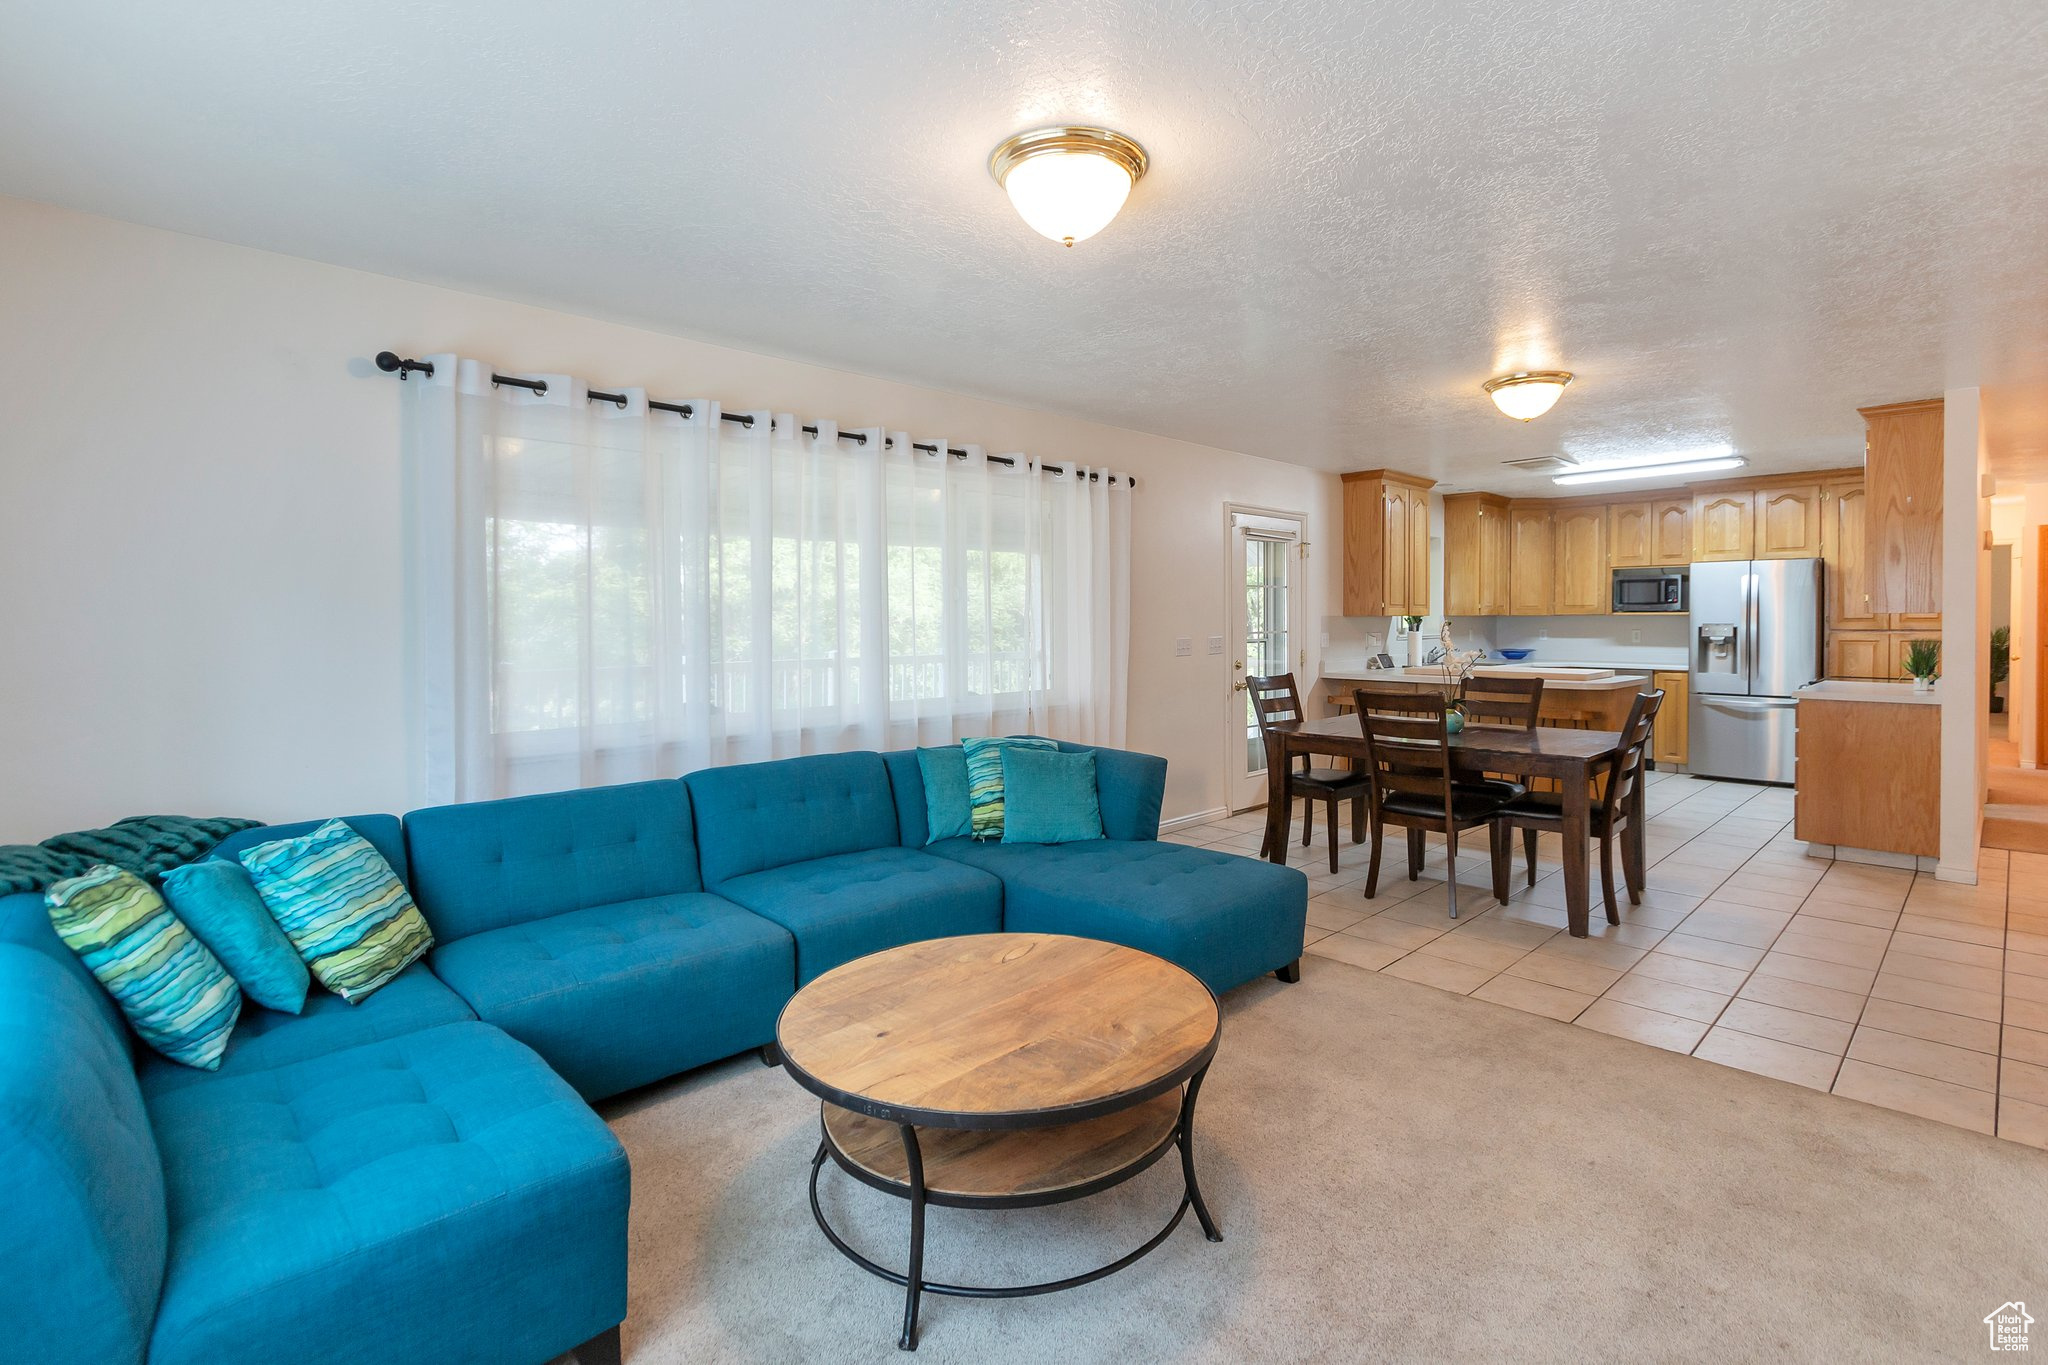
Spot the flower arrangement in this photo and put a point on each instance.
(1457, 665)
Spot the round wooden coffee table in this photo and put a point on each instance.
(1001, 1071)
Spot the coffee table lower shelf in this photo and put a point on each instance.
(1006, 1169)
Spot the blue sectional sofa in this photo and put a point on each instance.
(419, 1176)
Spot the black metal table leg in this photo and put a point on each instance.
(913, 1283)
(1187, 1155)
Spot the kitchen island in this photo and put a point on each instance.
(1868, 774)
(1585, 698)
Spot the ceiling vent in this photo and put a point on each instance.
(1542, 464)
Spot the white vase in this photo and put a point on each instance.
(1415, 649)
(1923, 684)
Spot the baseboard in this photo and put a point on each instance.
(1198, 818)
(1871, 857)
(1966, 876)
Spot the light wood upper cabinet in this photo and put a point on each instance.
(1386, 544)
(1902, 467)
(1631, 535)
(1788, 522)
(1531, 561)
(1582, 578)
(1723, 526)
(1671, 532)
(1476, 554)
(1844, 545)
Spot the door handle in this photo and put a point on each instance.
(1240, 685)
(1748, 705)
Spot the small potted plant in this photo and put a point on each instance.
(1414, 640)
(1923, 661)
(2001, 666)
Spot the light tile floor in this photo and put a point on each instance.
(1874, 983)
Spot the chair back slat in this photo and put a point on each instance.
(1629, 760)
(1276, 700)
(1502, 701)
(1408, 740)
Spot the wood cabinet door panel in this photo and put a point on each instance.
(1531, 568)
(1860, 654)
(1582, 576)
(1668, 744)
(1903, 464)
(1497, 569)
(1631, 535)
(1721, 526)
(1844, 542)
(1418, 552)
(1788, 522)
(1394, 550)
(1671, 531)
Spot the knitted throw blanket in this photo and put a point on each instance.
(147, 845)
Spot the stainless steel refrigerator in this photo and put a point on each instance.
(1755, 641)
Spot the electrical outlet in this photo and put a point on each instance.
(1183, 647)
(1635, 637)
(1215, 644)
(1543, 635)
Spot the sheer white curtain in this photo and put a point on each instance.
(607, 591)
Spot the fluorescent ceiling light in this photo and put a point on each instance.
(1663, 469)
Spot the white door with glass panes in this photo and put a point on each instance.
(1266, 639)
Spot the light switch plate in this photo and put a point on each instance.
(1215, 644)
(1183, 647)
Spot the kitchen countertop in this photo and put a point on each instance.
(1621, 678)
(1844, 689)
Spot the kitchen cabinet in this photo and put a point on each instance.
(1477, 551)
(1631, 535)
(1531, 561)
(1844, 546)
(1671, 531)
(1386, 544)
(1723, 526)
(1668, 741)
(1867, 776)
(1902, 469)
(1787, 522)
(1861, 654)
(1582, 579)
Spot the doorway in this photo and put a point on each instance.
(1264, 569)
(2016, 795)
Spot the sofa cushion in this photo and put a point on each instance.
(615, 996)
(847, 906)
(1226, 919)
(985, 779)
(943, 774)
(413, 1000)
(177, 996)
(1049, 797)
(489, 864)
(218, 902)
(441, 1196)
(754, 816)
(383, 832)
(343, 907)
(1129, 786)
(83, 1235)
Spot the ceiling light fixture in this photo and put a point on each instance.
(1528, 394)
(1660, 470)
(1068, 183)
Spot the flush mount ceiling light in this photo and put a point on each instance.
(1694, 463)
(1529, 394)
(1068, 183)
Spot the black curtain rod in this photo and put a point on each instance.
(391, 363)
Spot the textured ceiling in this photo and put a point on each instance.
(1737, 222)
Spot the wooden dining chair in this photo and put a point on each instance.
(1536, 812)
(1510, 703)
(1408, 744)
(1276, 700)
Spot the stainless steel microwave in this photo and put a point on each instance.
(1650, 590)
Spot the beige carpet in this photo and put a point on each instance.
(1400, 1173)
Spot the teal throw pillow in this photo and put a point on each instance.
(181, 1001)
(1049, 797)
(985, 780)
(342, 907)
(218, 902)
(947, 814)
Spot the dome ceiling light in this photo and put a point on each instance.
(1068, 183)
(1528, 394)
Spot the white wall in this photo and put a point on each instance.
(1637, 640)
(1965, 634)
(199, 481)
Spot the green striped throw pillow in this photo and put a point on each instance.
(342, 907)
(181, 1001)
(985, 780)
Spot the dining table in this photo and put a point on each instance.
(1574, 758)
